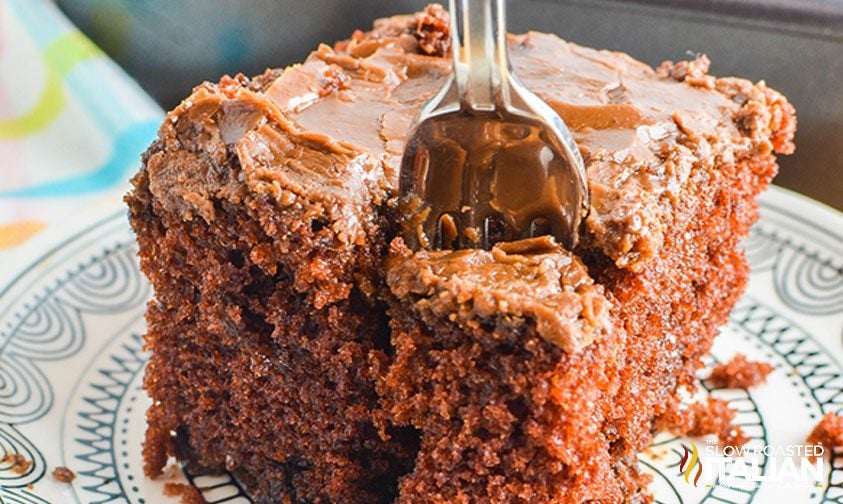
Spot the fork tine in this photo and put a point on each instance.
(540, 226)
(493, 169)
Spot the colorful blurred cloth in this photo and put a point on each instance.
(72, 124)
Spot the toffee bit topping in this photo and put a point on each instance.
(433, 30)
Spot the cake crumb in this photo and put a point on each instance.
(187, 494)
(713, 416)
(433, 30)
(333, 79)
(694, 73)
(171, 471)
(63, 474)
(229, 86)
(740, 373)
(828, 432)
(19, 463)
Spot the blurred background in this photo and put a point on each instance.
(795, 45)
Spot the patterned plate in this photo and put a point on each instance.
(71, 361)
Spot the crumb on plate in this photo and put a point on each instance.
(740, 373)
(64, 474)
(712, 416)
(828, 432)
(19, 464)
(187, 494)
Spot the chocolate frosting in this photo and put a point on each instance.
(324, 140)
(532, 281)
(641, 133)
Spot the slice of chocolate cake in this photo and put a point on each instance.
(292, 344)
(508, 364)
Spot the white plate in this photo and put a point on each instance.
(71, 361)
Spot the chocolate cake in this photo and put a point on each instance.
(296, 341)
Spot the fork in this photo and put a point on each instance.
(487, 160)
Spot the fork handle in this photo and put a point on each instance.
(481, 64)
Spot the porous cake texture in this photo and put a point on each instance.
(296, 341)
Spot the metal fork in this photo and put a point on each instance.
(487, 160)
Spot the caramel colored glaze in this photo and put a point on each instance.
(529, 281)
